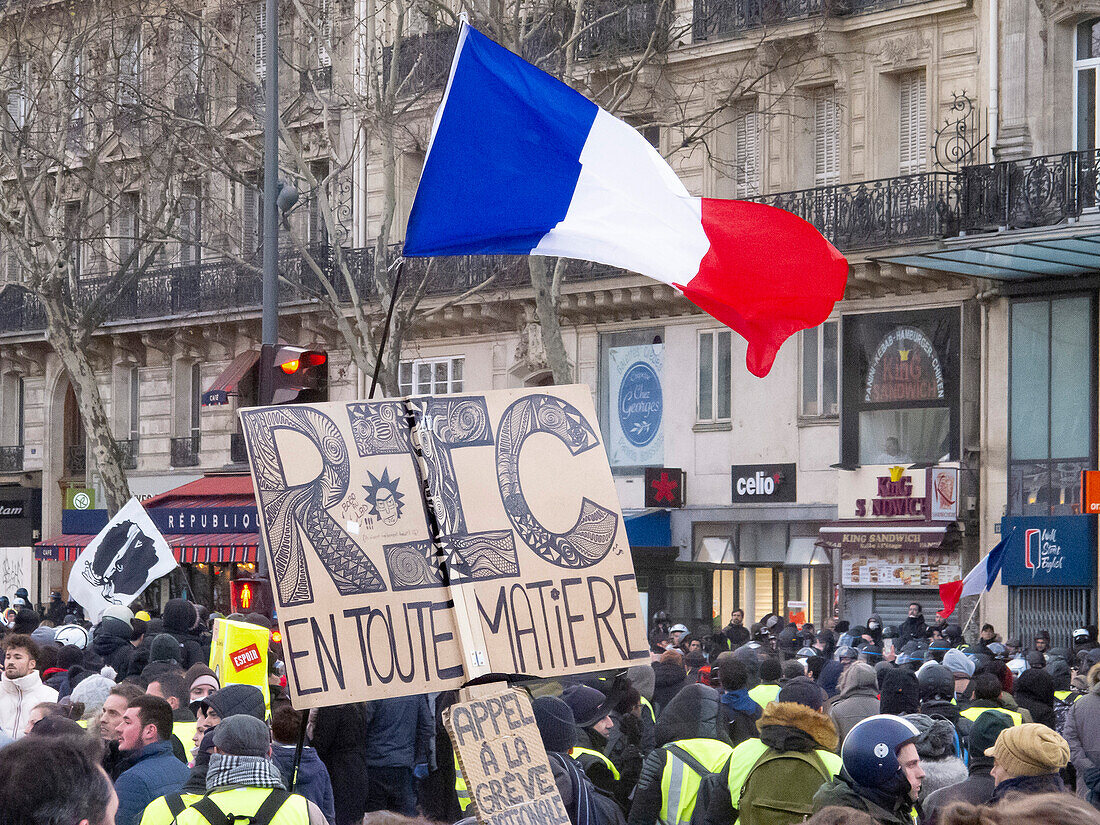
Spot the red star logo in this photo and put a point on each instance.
(664, 487)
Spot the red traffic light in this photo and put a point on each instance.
(311, 358)
(299, 375)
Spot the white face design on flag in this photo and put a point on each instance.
(119, 563)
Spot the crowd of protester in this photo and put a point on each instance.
(771, 724)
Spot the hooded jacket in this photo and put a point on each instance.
(111, 642)
(912, 629)
(18, 698)
(339, 735)
(857, 699)
(693, 713)
(1082, 732)
(742, 713)
(784, 726)
(668, 679)
(1035, 693)
(179, 619)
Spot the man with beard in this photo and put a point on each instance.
(21, 685)
(736, 631)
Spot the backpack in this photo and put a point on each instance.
(711, 784)
(216, 816)
(779, 788)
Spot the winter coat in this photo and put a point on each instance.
(18, 698)
(1034, 692)
(399, 731)
(844, 792)
(742, 713)
(154, 772)
(977, 789)
(1043, 783)
(830, 675)
(179, 619)
(111, 642)
(313, 780)
(668, 679)
(574, 787)
(1082, 732)
(911, 629)
(784, 726)
(857, 699)
(340, 739)
(624, 748)
(693, 713)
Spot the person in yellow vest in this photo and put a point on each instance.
(171, 686)
(242, 781)
(643, 679)
(797, 739)
(694, 739)
(987, 698)
(592, 712)
(768, 689)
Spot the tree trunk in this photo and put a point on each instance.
(546, 309)
(65, 337)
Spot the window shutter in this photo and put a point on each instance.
(747, 153)
(912, 123)
(250, 225)
(127, 224)
(259, 14)
(826, 138)
(324, 42)
(17, 97)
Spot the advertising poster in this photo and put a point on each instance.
(1054, 551)
(417, 543)
(637, 405)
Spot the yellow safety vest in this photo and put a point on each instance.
(649, 707)
(461, 791)
(762, 694)
(158, 812)
(1063, 695)
(185, 732)
(973, 713)
(680, 784)
(748, 752)
(245, 802)
(577, 753)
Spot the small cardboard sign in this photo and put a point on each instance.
(502, 759)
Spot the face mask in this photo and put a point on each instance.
(872, 625)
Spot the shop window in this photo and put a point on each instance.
(901, 394)
(431, 376)
(819, 371)
(1052, 357)
(1086, 65)
(714, 376)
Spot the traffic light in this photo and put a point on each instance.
(250, 596)
(299, 375)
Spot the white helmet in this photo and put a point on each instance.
(72, 634)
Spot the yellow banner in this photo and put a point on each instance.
(238, 655)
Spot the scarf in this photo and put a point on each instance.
(227, 771)
(740, 700)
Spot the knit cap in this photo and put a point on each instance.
(958, 662)
(899, 693)
(937, 737)
(804, 691)
(92, 692)
(165, 648)
(43, 635)
(1030, 750)
(556, 724)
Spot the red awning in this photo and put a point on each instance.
(226, 383)
(230, 490)
(210, 548)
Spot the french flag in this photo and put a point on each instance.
(979, 580)
(521, 164)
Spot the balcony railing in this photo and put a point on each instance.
(11, 459)
(185, 451)
(616, 28)
(76, 459)
(715, 19)
(423, 61)
(129, 450)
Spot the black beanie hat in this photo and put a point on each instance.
(900, 693)
(556, 724)
(804, 691)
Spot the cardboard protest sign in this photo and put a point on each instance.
(118, 564)
(501, 756)
(417, 543)
(238, 655)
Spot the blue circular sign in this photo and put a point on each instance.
(640, 404)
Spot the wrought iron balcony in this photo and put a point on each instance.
(423, 61)
(238, 453)
(11, 459)
(76, 459)
(129, 450)
(185, 451)
(716, 19)
(614, 28)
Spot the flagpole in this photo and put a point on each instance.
(977, 604)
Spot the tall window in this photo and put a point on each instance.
(431, 376)
(318, 234)
(135, 404)
(714, 376)
(746, 152)
(18, 94)
(196, 400)
(74, 231)
(820, 356)
(1051, 361)
(259, 20)
(12, 426)
(129, 72)
(77, 89)
(190, 60)
(127, 229)
(252, 214)
(324, 42)
(826, 137)
(912, 123)
(1086, 64)
(190, 222)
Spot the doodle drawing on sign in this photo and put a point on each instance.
(122, 561)
(383, 498)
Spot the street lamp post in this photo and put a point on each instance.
(270, 324)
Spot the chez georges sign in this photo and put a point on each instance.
(897, 493)
(1056, 551)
